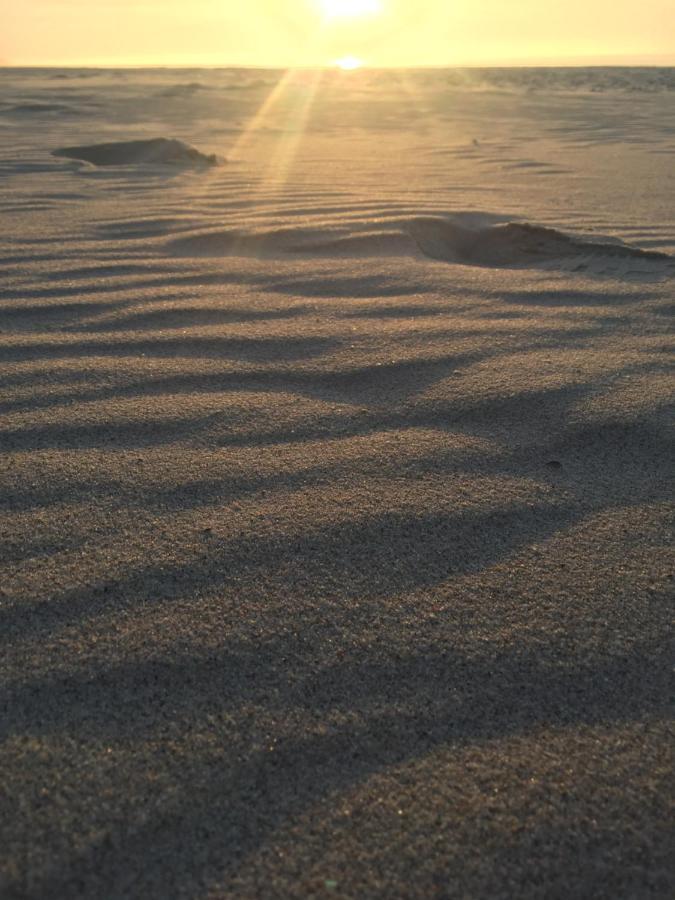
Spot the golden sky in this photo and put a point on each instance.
(316, 32)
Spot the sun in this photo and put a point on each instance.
(348, 63)
(334, 9)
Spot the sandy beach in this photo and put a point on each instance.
(336, 483)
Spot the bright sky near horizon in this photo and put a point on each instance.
(318, 32)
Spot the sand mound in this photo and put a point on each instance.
(514, 244)
(156, 151)
(32, 109)
(457, 239)
(183, 90)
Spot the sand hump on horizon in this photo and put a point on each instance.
(155, 151)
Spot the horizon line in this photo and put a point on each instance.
(563, 63)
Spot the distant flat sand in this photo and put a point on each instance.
(337, 484)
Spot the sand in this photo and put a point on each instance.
(337, 486)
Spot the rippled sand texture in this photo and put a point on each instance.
(337, 486)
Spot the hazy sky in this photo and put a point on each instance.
(310, 32)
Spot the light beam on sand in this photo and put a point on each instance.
(258, 123)
(285, 111)
(295, 89)
(286, 108)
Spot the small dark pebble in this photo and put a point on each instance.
(554, 464)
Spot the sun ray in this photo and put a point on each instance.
(293, 129)
(263, 113)
(285, 111)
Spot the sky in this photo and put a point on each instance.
(318, 32)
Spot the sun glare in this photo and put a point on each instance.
(334, 9)
(348, 63)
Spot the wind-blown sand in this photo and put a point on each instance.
(337, 486)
